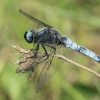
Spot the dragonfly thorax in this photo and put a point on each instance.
(29, 36)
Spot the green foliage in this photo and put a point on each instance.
(77, 19)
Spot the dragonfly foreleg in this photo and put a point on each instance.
(37, 48)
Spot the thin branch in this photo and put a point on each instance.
(79, 65)
(60, 57)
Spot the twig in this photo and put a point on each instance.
(79, 65)
(22, 50)
(61, 57)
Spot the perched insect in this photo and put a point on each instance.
(50, 37)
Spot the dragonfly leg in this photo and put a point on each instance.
(54, 51)
(51, 47)
(36, 49)
(45, 50)
(43, 60)
(46, 53)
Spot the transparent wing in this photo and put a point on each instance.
(45, 74)
(50, 67)
(34, 19)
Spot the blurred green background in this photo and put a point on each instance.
(77, 19)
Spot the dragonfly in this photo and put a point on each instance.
(48, 36)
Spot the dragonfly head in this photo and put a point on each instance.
(29, 36)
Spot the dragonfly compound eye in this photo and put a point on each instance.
(29, 36)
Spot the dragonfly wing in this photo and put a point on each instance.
(48, 70)
(45, 74)
(34, 19)
(50, 67)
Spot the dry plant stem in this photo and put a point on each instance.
(61, 57)
(79, 65)
(22, 50)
